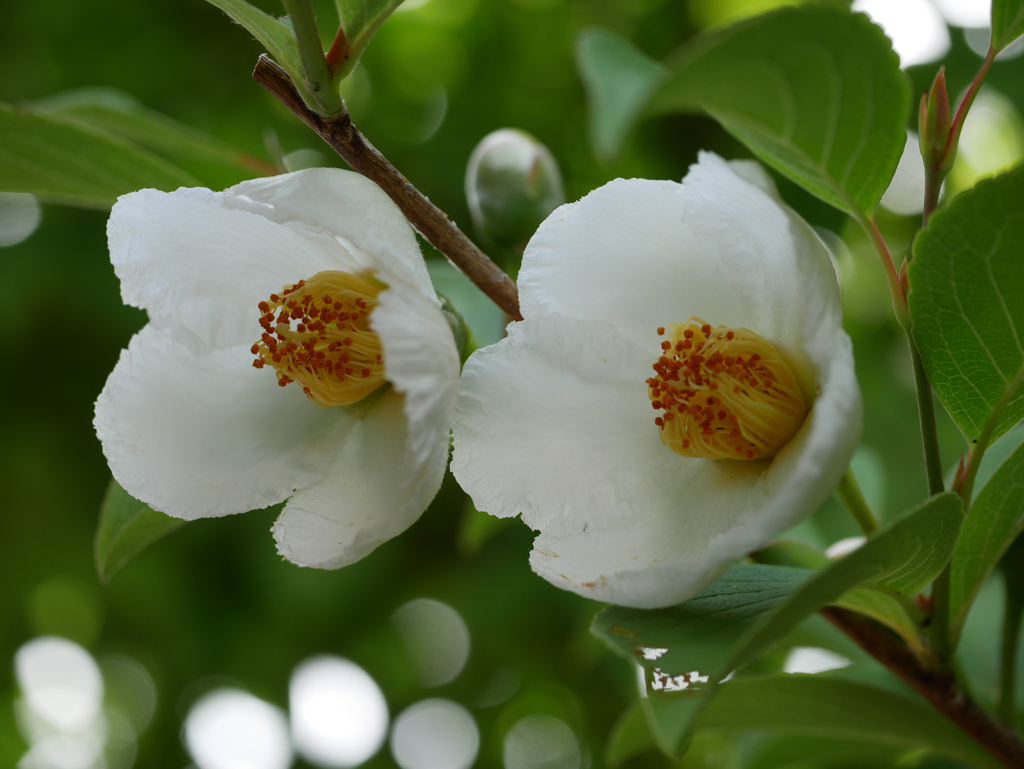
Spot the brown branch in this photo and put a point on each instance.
(428, 219)
(936, 686)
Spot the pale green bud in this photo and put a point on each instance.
(512, 184)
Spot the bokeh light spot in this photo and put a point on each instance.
(917, 30)
(435, 734)
(992, 140)
(978, 39)
(20, 215)
(541, 741)
(339, 715)
(811, 659)
(66, 608)
(60, 681)
(966, 13)
(905, 194)
(130, 690)
(231, 729)
(436, 638)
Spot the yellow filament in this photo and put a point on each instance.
(331, 351)
(724, 393)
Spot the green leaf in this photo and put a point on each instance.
(886, 610)
(967, 305)
(995, 455)
(277, 38)
(63, 161)
(119, 113)
(1007, 22)
(815, 92)
(126, 527)
(822, 706)
(361, 19)
(629, 737)
(994, 521)
(619, 80)
(790, 552)
(694, 637)
(752, 607)
(870, 602)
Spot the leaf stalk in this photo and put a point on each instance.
(851, 496)
(311, 52)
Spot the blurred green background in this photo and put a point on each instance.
(212, 604)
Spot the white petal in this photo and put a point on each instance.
(362, 501)
(554, 422)
(203, 436)
(642, 254)
(421, 361)
(664, 559)
(351, 207)
(200, 267)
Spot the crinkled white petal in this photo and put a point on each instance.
(352, 208)
(422, 362)
(661, 559)
(363, 500)
(200, 266)
(555, 422)
(204, 436)
(642, 254)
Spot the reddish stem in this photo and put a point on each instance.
(339, 52)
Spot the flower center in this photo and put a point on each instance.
(725, 393)
(331, 351)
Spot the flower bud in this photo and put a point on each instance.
(512, 184)
(934, 120)
(461, 331)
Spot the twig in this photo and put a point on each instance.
(939, 687)
(345, 139)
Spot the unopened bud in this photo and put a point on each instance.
(461, 331)
(934, 120)
(512, 184)
(904, 283)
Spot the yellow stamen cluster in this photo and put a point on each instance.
(724, 393)
(331, 351)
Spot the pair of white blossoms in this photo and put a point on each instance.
(649, 450)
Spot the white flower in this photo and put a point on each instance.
(192, 428)
(556, 421)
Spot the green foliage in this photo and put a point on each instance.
(121, 114)
(814, 92)
(887, 610)
(277, 38)
(1007, 22)
(967, 304)
(629, 737)
(619, 80)
(790, 552)
(994, 521)
(752, 607)
(361, 19)
(60, 160)
(818, 706)
(126, 527)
